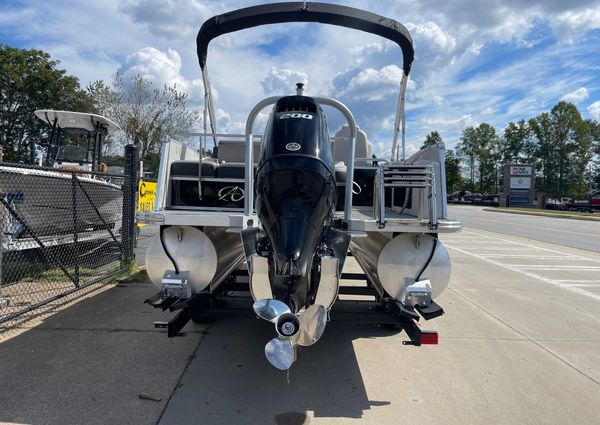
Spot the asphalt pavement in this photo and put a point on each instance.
(580, 234)
(519, 344)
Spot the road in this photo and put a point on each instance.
(519, 343)
(565, 232)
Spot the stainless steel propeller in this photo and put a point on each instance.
(280, 353)
(312, 325)
(292, 330)
(270, 309)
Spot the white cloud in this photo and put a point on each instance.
(456, 71)
(162, 68)
(576, 96)
(572, 24)
(172, 19)
(282, 81)
(433, 36)
(372, 84)
(594, 110)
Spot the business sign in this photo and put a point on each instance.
(520, 183)
(146, 196)
(520, 171)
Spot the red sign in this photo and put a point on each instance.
(520, 171)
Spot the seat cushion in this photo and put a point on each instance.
(190, 168)
(232, 170)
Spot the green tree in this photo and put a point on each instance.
(516, 143)
(466, 149)
(30, 80)
(431, 139)
(480, 146)
(144, 112)
(595, 166)
(543, 149)
(564, 144)
(454, 179)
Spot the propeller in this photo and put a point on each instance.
(280, 353)
(292, 330)
(270, 309)
(312, 324)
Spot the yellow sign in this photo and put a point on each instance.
(146, 196)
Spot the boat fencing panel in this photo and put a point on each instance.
(63, 233)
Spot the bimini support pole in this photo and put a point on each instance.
(211, 108)
(249, 157)
(351, 153)
(208, 107)
(400, 118)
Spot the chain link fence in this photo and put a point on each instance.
(61, 231)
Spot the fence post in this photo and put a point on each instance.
(129, 191)
(75, 230)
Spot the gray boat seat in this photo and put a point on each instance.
(340, 172)
(232, 170)
(190, 168)
(341, 144)
(235, 151)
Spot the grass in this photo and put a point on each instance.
(138, 276)
(57, 275)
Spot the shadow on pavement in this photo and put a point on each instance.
(88, 363)
(231, 382)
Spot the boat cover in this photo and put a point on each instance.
(325, 13)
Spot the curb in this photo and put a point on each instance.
(541, 214)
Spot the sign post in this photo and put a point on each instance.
(519, 186)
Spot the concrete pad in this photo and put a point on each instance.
(583, 355)
(89, 363)
(362, 374)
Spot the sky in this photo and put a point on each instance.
(494, 61)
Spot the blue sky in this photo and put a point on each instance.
(495, 61)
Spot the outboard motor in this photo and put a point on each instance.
(295, 195)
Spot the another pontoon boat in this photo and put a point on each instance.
(276, 215)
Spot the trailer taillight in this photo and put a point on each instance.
(429, 337)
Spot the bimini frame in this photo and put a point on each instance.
(324, 13)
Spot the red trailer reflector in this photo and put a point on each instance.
(429, 337)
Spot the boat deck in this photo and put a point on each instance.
(362, 220)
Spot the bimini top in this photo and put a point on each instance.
(76, 120)
(324, 13)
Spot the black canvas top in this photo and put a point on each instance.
(325, 13)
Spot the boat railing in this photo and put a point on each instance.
(412, 178)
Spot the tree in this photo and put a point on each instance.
(595, 168)
(516, 143)
(543, 150)
(480, 145)
(145, 113)
(30, 80)
(431, 139)
(467, 148)
(453, 178)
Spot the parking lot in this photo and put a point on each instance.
(519, 343)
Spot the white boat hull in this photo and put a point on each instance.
(43, 201)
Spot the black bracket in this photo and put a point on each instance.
(176, 324)
(431, 311)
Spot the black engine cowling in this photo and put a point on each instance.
(295, 193)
